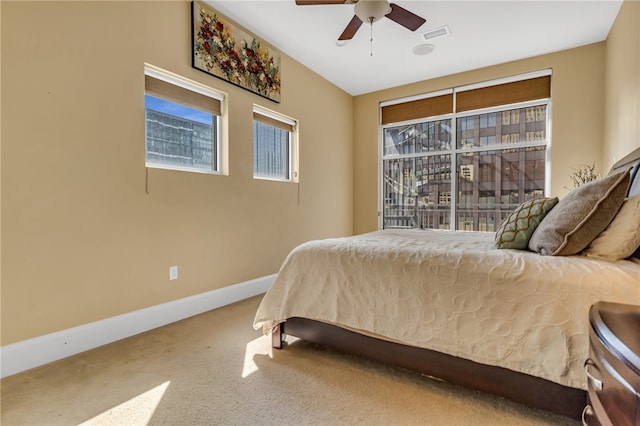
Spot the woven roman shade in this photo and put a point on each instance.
(421, 108)
(468, 99)
(504, 94)
(180, 95)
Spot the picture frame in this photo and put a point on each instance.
(225, 50)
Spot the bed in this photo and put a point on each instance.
(452, 306)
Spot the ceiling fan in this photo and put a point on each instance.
(371, 11)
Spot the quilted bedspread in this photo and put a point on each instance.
(453, 292)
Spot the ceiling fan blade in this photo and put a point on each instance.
(314, 2)
(351, 29)
(405, 18)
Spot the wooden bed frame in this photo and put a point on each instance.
(519, 387)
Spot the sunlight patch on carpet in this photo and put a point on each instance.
(259, 346)
(136, 411)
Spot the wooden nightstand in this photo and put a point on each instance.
(613, 367)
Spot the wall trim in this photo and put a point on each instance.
(31, 353)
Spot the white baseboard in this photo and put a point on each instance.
(31, 353)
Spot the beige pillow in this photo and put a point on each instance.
(622, 236)
(580, 216)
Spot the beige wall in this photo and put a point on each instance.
(81, 238)
(622, 84)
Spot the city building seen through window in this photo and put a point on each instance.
(464, 170)
(182, 122)
(274, 146)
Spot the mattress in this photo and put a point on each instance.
(455, 293)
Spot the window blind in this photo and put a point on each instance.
(420, 108)
(162, 89)
(504, 94)
(467, 100)
(257, 116)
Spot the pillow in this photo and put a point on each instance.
(622, 237)
(517, 228)
(580, 216)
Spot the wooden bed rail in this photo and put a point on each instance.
(519, 387)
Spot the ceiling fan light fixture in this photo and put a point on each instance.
(371, 10)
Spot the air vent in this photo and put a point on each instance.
(438, 32)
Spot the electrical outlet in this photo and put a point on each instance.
(173, 272)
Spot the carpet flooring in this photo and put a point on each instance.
(214, 369)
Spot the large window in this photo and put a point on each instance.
(479, 155)
(182, 123)
(274, 146)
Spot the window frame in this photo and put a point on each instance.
(291, 126)
(217, 146)
(453, 151)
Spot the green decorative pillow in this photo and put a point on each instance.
(517, 228)
(580, 216)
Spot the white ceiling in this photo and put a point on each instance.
(482, 33)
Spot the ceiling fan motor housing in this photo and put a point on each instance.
(371, 10)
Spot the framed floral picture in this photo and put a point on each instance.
(223, 49)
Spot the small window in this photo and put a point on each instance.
(274, 146)
(182, 123)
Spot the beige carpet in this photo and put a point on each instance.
(215, 369)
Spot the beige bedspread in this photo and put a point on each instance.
(455, 293)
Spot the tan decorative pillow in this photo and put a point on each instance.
(580, 216)
(517, 228)
(622, 236)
